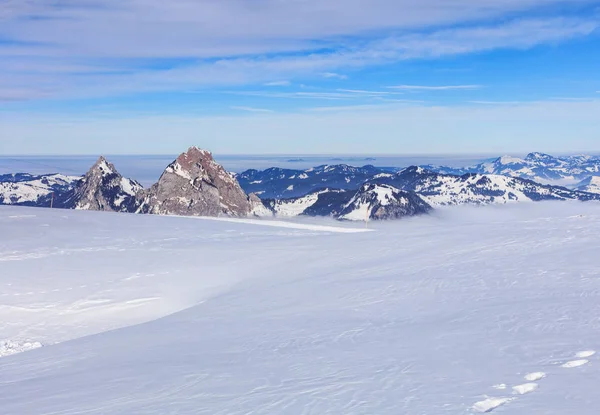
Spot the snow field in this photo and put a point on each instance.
(420, 316)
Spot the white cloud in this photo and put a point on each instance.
(278, 83)
(250, 109)
(334, 75)
(46, 58)
(434, 88)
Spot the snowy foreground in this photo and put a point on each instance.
(470, 310)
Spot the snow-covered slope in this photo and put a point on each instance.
(590, 185)
(322, 202)
(375, 201)
(535, 166)
(28, 190)
(277, 183)
(369, 202)
(444, 189)
(466, 311)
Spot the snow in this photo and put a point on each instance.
(8, 347)
(489, 404)
(361, 211)
(575, 363)
(525, 388)
(152, 314)
(510, 160)
(532, 377)
(295, 207)
(177, 169)
(290, 187)
(128, 187)
(33, 190)
(591, 185)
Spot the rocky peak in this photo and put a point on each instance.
(196, 185)
(102, 167)
(103, 188)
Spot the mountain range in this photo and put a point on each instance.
(196, 185)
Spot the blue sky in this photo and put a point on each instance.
(299, 76)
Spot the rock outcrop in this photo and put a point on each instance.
(196, 185)
(103, 188)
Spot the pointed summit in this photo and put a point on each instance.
(103, 188)
(196, 185)
(103, 166)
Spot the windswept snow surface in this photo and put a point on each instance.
(422, 316)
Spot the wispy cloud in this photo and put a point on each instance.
(434, 88)
(365, 92)
(251, 109)
(334, 75)
(496, 102)
(337, 94)
(200, 53)
(278, 83)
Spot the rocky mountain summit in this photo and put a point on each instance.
(103, 188)
(196, 185)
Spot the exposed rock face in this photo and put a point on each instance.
(103, 188)
(196, 185)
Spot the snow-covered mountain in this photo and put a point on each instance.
(590, 185)
(27, 190)
(371, 201)
(446, 189)
(196, 185)
(277, 183)
(535, 166)
(103, 188)
(376, 201)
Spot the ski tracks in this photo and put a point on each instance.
(489, 404)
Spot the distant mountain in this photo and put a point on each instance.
(103, 188)
(590, 185)
(196, 185)
(536, 166)
(277, 183)
(447, 189)
(370, 202)
(380, 201)
(193, 185)
(28, 190)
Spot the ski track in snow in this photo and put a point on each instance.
(421, 316)
(489, 404)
